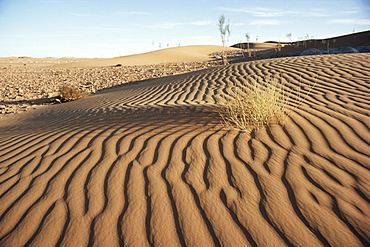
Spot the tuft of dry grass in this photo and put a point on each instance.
(70, 93)
(261, 101)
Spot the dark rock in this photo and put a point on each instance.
(311, 51)
(347, 49)
(56, 101)
(329, 51)
(363, 49)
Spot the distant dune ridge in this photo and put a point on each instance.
(194, 53)
(149, 164)
(334, 45)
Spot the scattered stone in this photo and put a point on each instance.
(40, 84)
(339, 50)
(311, 51)
(363, 49)
(347, 49)
(57, 101)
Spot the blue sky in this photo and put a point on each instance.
(111, 28)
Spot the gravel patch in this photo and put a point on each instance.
(27, 85)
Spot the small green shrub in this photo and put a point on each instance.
(70, 93)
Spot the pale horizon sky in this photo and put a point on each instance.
(111, 28)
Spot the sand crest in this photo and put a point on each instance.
(195, 53)
(149, 164)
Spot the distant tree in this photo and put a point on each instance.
(299, 41)
(278, 48)
(247, 36)
(225, 34)
(307, 38)
(248, 50)
(241, 46)
(289, 35)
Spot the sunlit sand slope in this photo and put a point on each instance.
(187, 54)
(148, 164)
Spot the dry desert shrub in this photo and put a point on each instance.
(260, 101)
(70, 93)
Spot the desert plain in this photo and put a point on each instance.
(144, 160)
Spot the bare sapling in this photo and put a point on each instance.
(289, 36)
(278, 49)
(225, 35)
(248, 50)
(242, 48)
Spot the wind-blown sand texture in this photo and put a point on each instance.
(149, 164)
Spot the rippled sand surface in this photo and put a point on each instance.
(149, 164)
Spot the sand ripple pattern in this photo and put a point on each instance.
(148, 164)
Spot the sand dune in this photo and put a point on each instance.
(269, 49)
(195, 53)
(148, 164)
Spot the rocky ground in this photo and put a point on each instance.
(26, 85)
